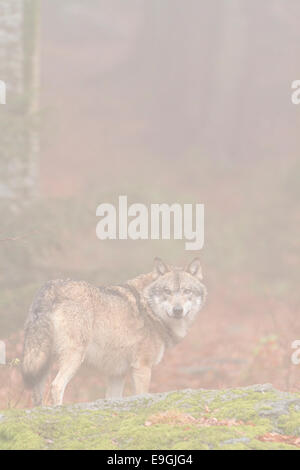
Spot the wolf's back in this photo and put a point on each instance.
(38, 338)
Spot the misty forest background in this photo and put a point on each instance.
(165, 101)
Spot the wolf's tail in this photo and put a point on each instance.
(38, 339)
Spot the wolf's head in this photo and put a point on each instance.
(176, 293)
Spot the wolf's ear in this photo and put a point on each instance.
(194, 268)
(160, 267)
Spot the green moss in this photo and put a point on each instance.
(258, 445)
(237, 446)
(241, 406)
(19, 435)
(290, 424)
(129, 424)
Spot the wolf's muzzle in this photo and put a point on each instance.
(177, 311)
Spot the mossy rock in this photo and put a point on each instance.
(240, 418)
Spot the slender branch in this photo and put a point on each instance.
(18, 237)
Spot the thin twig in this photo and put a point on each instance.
(18, 237)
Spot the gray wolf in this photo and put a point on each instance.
(122, 329)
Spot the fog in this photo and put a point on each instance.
(164, 101)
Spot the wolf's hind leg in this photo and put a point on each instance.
(38, 391)
(115, 386)
(69, 365)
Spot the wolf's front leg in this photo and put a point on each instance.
(141, 379)
(115, 386)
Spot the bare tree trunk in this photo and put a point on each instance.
(19, 68)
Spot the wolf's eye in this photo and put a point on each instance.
(187, 291)
(167, 291)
